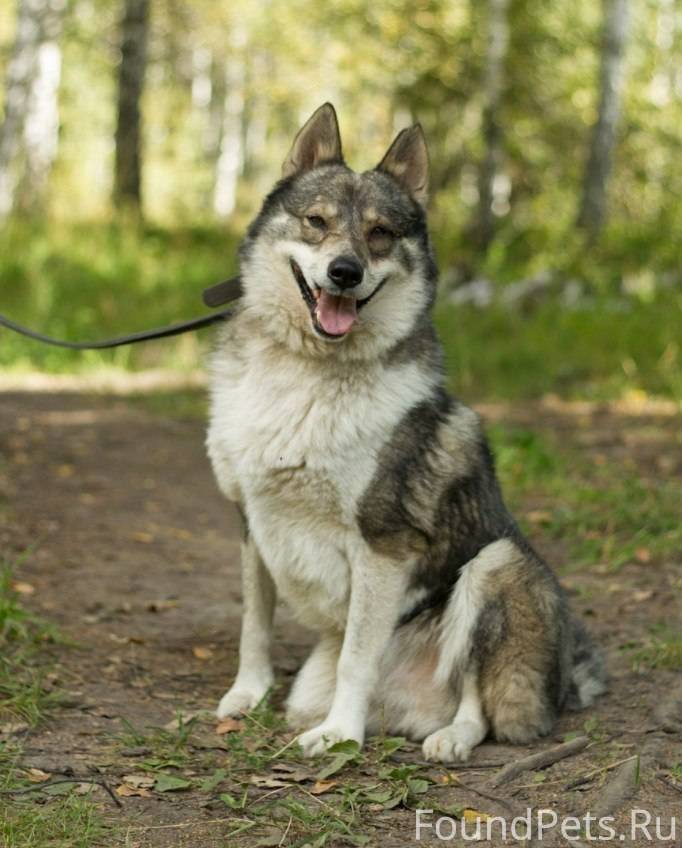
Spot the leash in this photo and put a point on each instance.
(213, 297)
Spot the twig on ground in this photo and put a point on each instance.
(540, 760)
(74, 780)
(586, 778)
(669, 783)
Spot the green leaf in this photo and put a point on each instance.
(391, 744)
(417, 785)
(211, 782)
(232, 802)
(349, 748)
(169, 783)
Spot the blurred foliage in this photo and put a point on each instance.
(383, 65)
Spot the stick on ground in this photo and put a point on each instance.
(540, 760)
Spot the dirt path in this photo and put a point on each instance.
(135, 558)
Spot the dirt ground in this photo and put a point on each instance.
(135, 558)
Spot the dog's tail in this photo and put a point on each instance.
(588, 676)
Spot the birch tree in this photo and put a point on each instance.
(592, 214)
(28, 133)
(231, 156)
(493, 84)
(131, 77)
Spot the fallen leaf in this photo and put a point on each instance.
(539, 516)
(126, 791)
(138, 781)
(202, 653)
(170, 783)
(322, 786)
(472, 816)
(13, 727)
(36, 775)
(64, 471)
(642, 595)
(643, 555)
(267, 781)
(229, 725)
(145, 538)
(184, 718)
(22, 588)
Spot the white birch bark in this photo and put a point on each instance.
(592, 214)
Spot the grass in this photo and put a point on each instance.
(260, 785)
(92, 281)
(23, 637)
(66, 821)
(606, 515)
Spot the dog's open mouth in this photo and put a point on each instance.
(333, 315)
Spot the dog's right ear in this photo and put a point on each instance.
(317, 141)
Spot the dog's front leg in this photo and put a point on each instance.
(254, 676)
(377, 587)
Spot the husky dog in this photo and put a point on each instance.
(369, 495)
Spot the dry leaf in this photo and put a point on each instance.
(539, 516)
(643, 555)
(145, 538)
(229, 725)
(13, 727)
(65, 471)
(22, 588)
(322, 786)
(202, 652)
(642, 595)
(138, 781)
(126, 791)
(267, 781)
(472, 816)
(36, 775)
(185, 718)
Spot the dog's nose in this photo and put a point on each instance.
(345, 271)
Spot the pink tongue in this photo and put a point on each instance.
(336, 314)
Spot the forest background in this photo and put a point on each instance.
(138, 137)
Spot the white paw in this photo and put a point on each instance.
(316, 741)
(241, 699)
(454, 742)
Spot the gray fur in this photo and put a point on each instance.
(482, 637)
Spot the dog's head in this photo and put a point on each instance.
(337, 258)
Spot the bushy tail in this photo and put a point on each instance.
(589, 677)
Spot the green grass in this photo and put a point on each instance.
(23, 638)
(663, 649)
(92, 281)
(605, 515)
(603, 352)
(26, 821)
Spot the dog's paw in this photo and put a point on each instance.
(241, 699)
(454, 742)
(318, 740)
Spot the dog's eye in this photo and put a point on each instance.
(380, 232)
(316, 222)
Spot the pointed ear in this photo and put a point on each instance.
(407, 161)
(318, 141)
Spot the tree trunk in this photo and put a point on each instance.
(31, 73)
(493, 84)
(592, 214)
(128, 166)
(41, 131)
(231, 158)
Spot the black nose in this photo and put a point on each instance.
(345, 271)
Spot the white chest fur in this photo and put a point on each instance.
(297, 442)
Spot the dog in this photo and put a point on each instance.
(369, 495)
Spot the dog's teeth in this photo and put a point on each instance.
(317, 293)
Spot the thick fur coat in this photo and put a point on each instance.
(369, 494)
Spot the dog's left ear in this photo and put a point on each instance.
(317, 141)
(407, 161)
